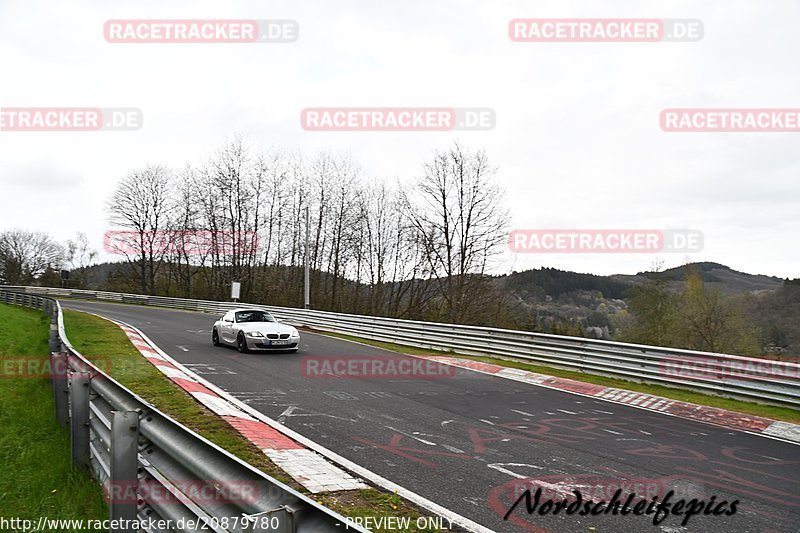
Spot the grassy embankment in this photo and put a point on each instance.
(38, 478)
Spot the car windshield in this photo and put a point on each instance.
(254, 316)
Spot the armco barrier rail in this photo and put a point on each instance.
(152, 468)
(747, 378)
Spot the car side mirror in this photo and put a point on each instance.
(278, 320)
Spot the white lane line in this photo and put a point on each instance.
(499, 468)
(184, 348)
(411, 435)
(452, 448)
(522, 412)
(288, 412)
(487, 421)
(567, 412)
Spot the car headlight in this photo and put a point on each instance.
(255, 334)
(295, 333)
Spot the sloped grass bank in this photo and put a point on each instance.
(38, 478)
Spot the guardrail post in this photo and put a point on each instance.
(280, 520)
(79, 421)
(58, 378)
(124, 481)
(54, 341)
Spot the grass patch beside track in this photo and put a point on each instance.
(786, 414)
(38, 478)
(102, 342)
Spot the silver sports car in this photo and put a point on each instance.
(254, 329)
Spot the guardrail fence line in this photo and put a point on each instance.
(710, 373)
(151, 467)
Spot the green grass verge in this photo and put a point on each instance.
(786, 414)
(107, 345)
(38, 478)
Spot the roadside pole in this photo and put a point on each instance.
(307, 277)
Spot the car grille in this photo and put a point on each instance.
(276, 336)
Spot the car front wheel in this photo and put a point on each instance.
(214, 337)
(241, 343)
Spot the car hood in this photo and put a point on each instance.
(265, 327)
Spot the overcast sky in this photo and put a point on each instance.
(577, 140)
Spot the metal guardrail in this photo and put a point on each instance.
(154, 469)
(748, 378)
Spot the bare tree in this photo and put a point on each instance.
(380, 237)
(142, 204)
(456, 209)
(79, 256)
(27, 255)
(188, 249)
(343, 217)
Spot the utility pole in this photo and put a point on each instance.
(307, 284)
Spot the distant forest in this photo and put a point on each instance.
(556, 282)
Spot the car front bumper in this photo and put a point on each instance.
(258, 343)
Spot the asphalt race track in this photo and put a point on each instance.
(462, 440)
